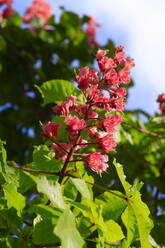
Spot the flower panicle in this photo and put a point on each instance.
(85, 119)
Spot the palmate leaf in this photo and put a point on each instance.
(52, 190)
(44, 159)
(43, 230)
(56, 91)
(66, 230)
(14, 199)
(113, 232)
(112, 205)
(81, 187)
(136, 216)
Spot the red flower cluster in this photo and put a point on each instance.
(161, 100)
(39, 9)
(95, 119)
(50, 130)
(8, 11)
(91, 31)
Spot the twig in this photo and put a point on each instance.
(66, 174)
(87, 228)
(35, 171)
(27, 223)
(145, 131)
(49, 245)
(134, 154)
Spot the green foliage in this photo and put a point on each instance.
(67, 231)
(72, 217)
(38, 207)
(56, 91)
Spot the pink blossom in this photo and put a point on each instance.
(85, 77)
(38, 9)
(93, 91)
(6, 2)
(124, 76)
(101, 53)
(107, 143)
(119, 48)
(93, 133)
(161, 98)
(8, 12)
(110, 123)
(119, 56)
(1, 16)
(162, 108)
(128, 64)
(82, 144)
(66, 107)
(91, 31)
(97, 162)
(111, 78)
(59, 151)
(73, 123)
(106, 63)
(50, 130)
(121, 92)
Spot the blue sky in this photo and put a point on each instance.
(139, 25)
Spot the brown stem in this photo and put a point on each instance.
(58, 144)
(35, 171)
(71, 152)
(146, 131)
(87, 228)
(27, 223)
(48, 245)
(68, 175)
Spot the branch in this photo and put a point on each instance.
(88, 227)
(35, 171)
(139, 157)
(145, 131)
(49, 245)
(66, 174)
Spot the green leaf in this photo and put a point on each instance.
(56, 91)
(9, 222)
(52, 190)
(44, 159)
(46, 212)
(84, 208)
(129, 221)
(81, 187)
(43, 230)
(67, 231)
(158, 231)
(112, 205)
(144, 223)
(9, 242)
(2, 43)
(14, 199)
(122, 177)
(16, 19)
(113, 232)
